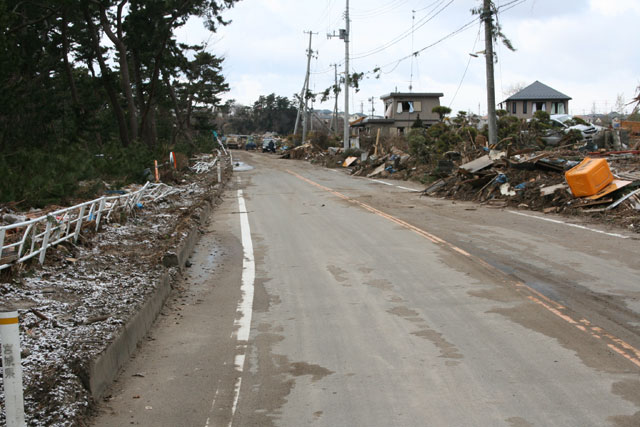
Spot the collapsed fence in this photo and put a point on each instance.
(28, 239)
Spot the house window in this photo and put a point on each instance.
(388, 111)
(405, 107)
(524, 107)
(538, 106)
(417, 106)
(558, 108)
(400, 131)
(513, 107)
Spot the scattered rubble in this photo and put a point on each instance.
(75, 305)
(522, 177)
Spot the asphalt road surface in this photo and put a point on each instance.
(316, 298)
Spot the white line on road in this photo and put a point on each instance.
(245, 306)
(244, 312)
(408, 189)
(382, 182)
(570, 225)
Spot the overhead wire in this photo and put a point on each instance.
(511, 4)
(421, 22)
(466, 68)
(396, 4)
(417, 52)
(426, 7)
(499, 55)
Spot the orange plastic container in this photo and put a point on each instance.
(588, 177)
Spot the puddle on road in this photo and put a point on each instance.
(241, 167)
(630, 391)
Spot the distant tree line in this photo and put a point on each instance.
(270, 113)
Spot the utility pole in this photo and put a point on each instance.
(373, 109)
(487, 16)
(346, 79)
(334, 117)
(310, 113)
(344, 35)
(303, 94)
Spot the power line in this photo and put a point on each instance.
(465, 27)
(426, 7)
(417, 52)
(511, 4)
(371, 13)
(466, 68)
(421, 22)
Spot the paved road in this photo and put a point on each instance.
(373, 306)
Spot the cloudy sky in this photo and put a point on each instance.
(583, 48)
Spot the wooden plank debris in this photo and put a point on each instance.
(547, 191)
(616, 184)
(349, 161)
(622, 199)
(477, 164)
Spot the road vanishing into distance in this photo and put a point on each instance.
(316, 298)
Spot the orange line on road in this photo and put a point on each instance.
(617, 345)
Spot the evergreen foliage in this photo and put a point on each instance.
(83, 78)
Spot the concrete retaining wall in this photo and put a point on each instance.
(105, 368)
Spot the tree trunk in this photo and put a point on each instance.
(67, 66)
(180, 120)
(118, 41)
(106, 80)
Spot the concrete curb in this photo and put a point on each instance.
(104, 369)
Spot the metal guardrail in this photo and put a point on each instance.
(65, 224)
(201, 166)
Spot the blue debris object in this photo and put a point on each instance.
(390, 169)
(521, 186)
(116, 192)
(501, 178)
(139, 205)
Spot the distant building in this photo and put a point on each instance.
(401, 111)
(537, 96)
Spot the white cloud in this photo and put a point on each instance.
(580, 47)
(615, 7)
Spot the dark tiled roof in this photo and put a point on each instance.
(412, 95)
(537, 90)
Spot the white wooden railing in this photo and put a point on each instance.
(38, 234)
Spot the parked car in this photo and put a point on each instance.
(566, 123)
(232, 142)
(268, 145)
(562, 124)
(250, 145)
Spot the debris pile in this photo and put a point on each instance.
(527, 176)
(543, 181)
(306, 151)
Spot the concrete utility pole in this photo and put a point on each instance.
(346, 79)
(373, 109)
(344, 35)
(487, 16)
(303, 94)
(334, 117)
